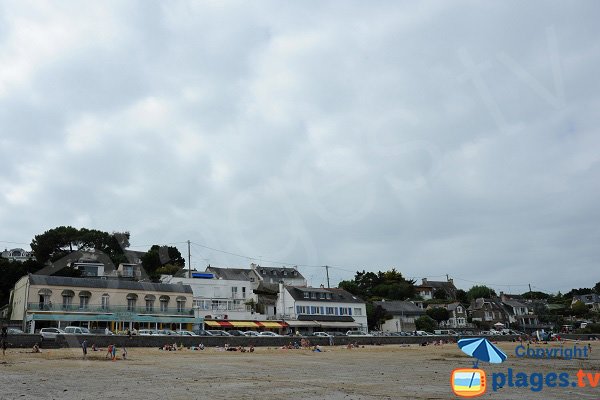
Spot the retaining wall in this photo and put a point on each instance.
(69, 341)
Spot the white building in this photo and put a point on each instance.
(222, 293)
(17, 254)
(308, 309)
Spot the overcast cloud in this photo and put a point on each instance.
(454, 138)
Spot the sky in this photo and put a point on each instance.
(452, 137)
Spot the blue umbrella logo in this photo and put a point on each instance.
(482, 350)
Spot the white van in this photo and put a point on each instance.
(76, 330)
(446, 332)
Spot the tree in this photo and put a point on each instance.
(375, 316)
(478, 291)
(159, 256)
(425, 323)
(462, 296)
(579, 308)
(440, 295)
(597, 288)
(381, 285)
(57, 243)
(439, 314)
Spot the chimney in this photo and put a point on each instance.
(424, 281)
(322, 286)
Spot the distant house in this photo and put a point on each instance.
(17, 255)
(403, 315)
(309, 309)
(289, 276)
(428, 288)
(519, 314)
(488, 311)
(457, 315)
(592, 301)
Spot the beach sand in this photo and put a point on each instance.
(373, 372)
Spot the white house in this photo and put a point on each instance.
(403, 315)
(308, 309)
(17, 254)
(222, 293)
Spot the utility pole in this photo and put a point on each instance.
(327, 271)
(189, 260)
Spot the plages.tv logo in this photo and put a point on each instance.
(472, 382)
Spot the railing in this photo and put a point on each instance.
(108, 309)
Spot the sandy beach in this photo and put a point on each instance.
(372, 372)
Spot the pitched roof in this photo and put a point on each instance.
(98, 283)
(397, 307)
(233, 274)
(278, 272)
(337, 295)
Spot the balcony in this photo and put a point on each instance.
(99, 308)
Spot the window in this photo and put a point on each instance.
(84, 299)
(357, 311)
(344, 311)
(164, 303)
(131, 304)
(149, 305)
(243, 292)
(306, 295)
(67, 302)
(180, 305)
(234, 292)
(105, 301)
(329, 311)
(322, 296)
(329, 296)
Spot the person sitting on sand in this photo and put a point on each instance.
(251, 349)
(36, 348)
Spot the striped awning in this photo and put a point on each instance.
(244, 324)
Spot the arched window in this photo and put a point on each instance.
(150, 302)
(67, 297)
(131, 300)
(84, 299)
(105, 301)
(164, 303)
(181, 304)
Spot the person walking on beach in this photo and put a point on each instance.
(3, 339)
(109, 351)
(84, 346)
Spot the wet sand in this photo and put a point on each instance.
(373, 372)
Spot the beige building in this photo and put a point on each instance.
(98, 303)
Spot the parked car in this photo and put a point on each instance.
(14, 331)
(321, 334)
(235, 332)
(166, 332)
(202, 332)
(217, 332)
(357, 333)
(147, 332)
(76, 330)
(268, 334)
(50, 333)
(185, 333)
(336, 333)
(423, 333)
(445, 332)
(251, 333)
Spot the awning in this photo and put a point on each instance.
(164, 298)
(150, 297)
(277, 325)
(85, 293)
(45, 292)
(244, 324)
(181, 298)
(303, 324)
(68, 293)
(333, 324)
(132, 296)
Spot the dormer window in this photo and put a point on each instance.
(306, 295)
